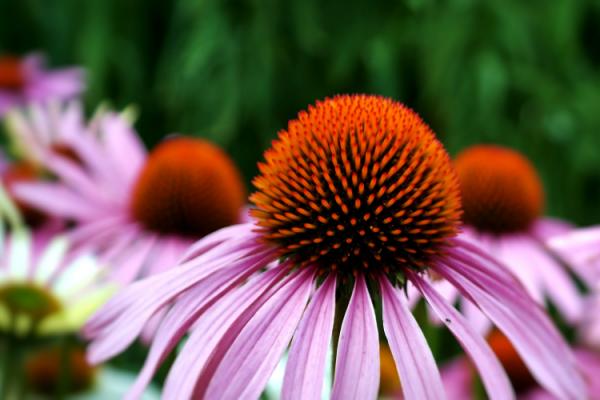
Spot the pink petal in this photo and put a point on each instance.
(123, 145)
(578, 239)
(512, 251)
(216, 329)
(55, 200)
(245, 370)
(210, 241)
(545, 228)
(560, 287)
(182, 316)
(117, 324)
(493, 375)
(458, 379)
(306, 362)
(75, 179)
(418, 372)
(476, 318)
(505, 302)
(357, 362)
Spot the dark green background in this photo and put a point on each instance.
(520, 73)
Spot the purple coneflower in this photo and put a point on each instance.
(353, 200)
(138, 211)
(503, 199)
(25, 80)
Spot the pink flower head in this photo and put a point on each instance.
(503, 200)
(355, 199)
(26, 80)
(137, 211)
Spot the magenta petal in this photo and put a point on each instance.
(180, 319)
(55, 200)
(418, 372)
(246, 368)
(123, 317)
(357, 362)
(493, 375)
(216, 329)
(504, 300)
(73, 176)
(306, 362)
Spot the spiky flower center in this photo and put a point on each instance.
(188, 187)
(357, 182)
(515, 368)
(48, 369)
(11, 73)
(29, 300)
(501, 191)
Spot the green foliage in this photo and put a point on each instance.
(520, 73)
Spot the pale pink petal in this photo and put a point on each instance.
(512, 251)
(488, 284)
(357, 362)
(545, 228)
(560, 287)
(183, 315)
(217, 237)
(458, 379)
(128, 267)
(245, 370)
(72, 176)
(216, 329)
(83, 233)
(124, 316)
(416, 366)
(123, 145)
(476, 318)
(63, 83)
(306, 362)
(493, 375)
(586, 239)
(55, 200)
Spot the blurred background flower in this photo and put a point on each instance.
(24, 80)
(519, 74)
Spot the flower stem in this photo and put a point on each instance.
(8, 356)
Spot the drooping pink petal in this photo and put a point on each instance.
(73, 176)
(476, 318)
(305, 368)
(513, 250)
(130, 261)
(208, 242)
(216, 329)
(560, 287)
(416, 366)
(357, 362)
(123, 318)
(245, 370)
(504, 300)
(55, 200)
(493, 375)
(581, 249)
(183, 315)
